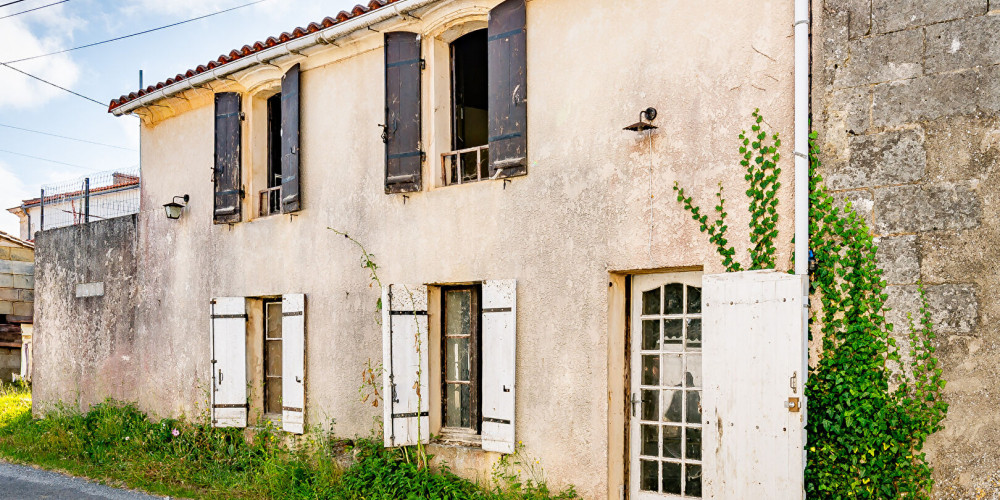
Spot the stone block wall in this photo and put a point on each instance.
(906, 100)
(17, 279)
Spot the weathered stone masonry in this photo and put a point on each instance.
(906, 99)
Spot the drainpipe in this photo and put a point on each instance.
(801, 124)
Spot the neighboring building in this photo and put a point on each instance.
(538, 270)
(98, 196)
(17, 296)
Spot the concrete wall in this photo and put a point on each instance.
(596, 200)
(906, 99)
(84, 346)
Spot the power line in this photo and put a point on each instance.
(11, 3)
(31, 10)
(67, 138)
(103, 105)
(90, 169)
(134, 34)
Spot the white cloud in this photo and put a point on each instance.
(17, 40)
(12, 191)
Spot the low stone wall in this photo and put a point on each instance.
(84, 329)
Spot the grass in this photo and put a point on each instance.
(117, 444)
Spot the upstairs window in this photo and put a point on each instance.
(270, 198)
(469, 159)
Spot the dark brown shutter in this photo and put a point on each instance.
(508, 77)
(290, 199)
(228, 128)
(403, 157)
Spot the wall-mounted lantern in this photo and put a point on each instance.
(174, 209)
(645, 117)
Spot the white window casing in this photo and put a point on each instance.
(229, 373)
(404, 361)
(293, 376)
(499, 305)
(754, 432)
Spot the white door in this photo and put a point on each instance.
(665, 445)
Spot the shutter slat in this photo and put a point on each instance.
(499, 347)
(403, 155)
(404, 325)
(228, 154)
(290, 190)
(229, 376)
(293, 375)
(508, 89)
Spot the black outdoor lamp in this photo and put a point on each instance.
(174, 209)
(645, 117)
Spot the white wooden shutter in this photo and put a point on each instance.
(229, 365)
(753, 363)
(404, 355)
(293, 375)
(499, 340)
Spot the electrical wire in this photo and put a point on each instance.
(11, 3)
(34, 9)
(134, 34)
(89, 169)
(65, 137)
(103, 105)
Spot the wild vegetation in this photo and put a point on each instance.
(117, 444)
(869, 411)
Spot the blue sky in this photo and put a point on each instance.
(107, 71)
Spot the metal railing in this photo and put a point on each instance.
(98, 196)
(455, 165)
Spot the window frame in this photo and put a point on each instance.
(267, 304)
(456, 154)
(466, 435)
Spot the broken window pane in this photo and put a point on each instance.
(648, 475)
(673, 334)
(650, 370)
(650, 404)
(671, 441)
(694, 300)
(692, 481)
(651, 334)
(651, 301)
(671, 478)
(673, 298)
(650, 440)
(693, 443)
(694, 333)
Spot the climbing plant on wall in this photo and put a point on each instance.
(870, 412)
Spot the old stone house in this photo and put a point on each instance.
(17, 297)
(538, 274)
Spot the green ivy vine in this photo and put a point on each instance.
(869, 413)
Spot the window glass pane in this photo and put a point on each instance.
(457, 406)
(671, 441)
(272, 358)
(672, 401)
(672, 478)
(650, 440)
(673, 334)
(651, 301)
(648, 475)
(692, 481)
(673, 370)
(457, 359)
(693, 443)
(650, 369)
(650, 404)
(694, 333)
(693, 407)
(673, 298)
(694, 300)
(693, 370)
(272, 395)
(651, 334)
(273, 320)
(457, 315)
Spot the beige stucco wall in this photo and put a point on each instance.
(582, 212)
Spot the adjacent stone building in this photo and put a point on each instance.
(17, 296)
(906, 99)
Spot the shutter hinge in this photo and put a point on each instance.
(243, 116)
(423, 64)
(212, 302)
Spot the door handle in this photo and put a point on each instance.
(635, 400)
(220, 375)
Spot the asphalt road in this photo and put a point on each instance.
(18, 482)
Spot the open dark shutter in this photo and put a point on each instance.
(508, 77)
(403, 157)
(290, 200)
(228, 187)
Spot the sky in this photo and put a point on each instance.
(105, 72)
